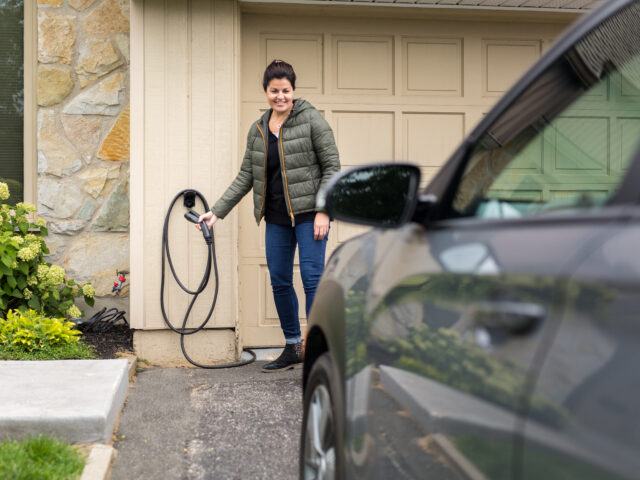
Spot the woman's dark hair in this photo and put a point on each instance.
(279, 69)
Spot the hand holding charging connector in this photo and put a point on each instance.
(194, 217)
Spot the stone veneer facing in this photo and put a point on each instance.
(83, 137)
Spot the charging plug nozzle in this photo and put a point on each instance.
(193, 218)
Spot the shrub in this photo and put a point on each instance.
(26, 279)
(30, 336)
(31, 331)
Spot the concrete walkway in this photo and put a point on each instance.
(74, 400)
(185, 423)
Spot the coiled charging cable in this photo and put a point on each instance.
(211, 258)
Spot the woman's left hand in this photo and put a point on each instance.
(320, 226)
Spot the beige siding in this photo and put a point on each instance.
(392, 89)
(183, 136)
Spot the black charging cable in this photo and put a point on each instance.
(192, 216)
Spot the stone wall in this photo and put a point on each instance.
(83, 139)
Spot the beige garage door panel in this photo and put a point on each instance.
(303, 51)
(503, 61)
(392, 90)
(362, 65)
(364, 137)
(420, 54)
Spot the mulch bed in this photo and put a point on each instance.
(119, 338)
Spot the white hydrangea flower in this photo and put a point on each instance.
(43, 271)
(27, 254)
(4, 191)
(74, 312)
(88, 291)
(56, 275)
(28, 207)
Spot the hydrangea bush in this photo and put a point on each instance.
(27, 281)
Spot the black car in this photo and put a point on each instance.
(489, 328)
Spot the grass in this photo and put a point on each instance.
(76, 350)
(39, 458)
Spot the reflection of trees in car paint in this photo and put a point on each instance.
(446, 357)
(435, 340)
(357, 331)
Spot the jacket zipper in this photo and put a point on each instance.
(264, 172)
(286, 186)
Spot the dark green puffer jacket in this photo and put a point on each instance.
(307, 151)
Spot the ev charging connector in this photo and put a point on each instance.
(193, 218)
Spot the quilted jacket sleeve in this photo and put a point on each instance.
(325, 147)
(240, 185)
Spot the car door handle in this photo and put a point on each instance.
(513, 317)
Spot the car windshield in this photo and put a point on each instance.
(567, 141)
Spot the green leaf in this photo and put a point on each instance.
(17, 293)
(65, 305)
(72, 282)
(23, 267)
(7, 260)
(34, 302)
(22, 283)
(66, 291)
(4, 269)
(3, 303)
(89, 301)
(11, 281)
(44, 231)
(56, 294)
(24, 227)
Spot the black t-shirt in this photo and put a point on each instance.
(276, 206)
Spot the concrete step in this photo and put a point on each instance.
(74, 400)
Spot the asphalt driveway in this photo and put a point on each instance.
(184, 423)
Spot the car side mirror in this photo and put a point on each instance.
(381, 195)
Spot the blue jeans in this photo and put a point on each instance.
(280, 242)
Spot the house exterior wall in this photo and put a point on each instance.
(184, 101)
(82, 139)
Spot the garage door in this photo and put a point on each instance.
(391, 89)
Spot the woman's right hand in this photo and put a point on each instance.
(208, 217)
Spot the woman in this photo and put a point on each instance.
(290, 154)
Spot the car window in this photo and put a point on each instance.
(566, 143)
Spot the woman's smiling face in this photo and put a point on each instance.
(279, 94)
